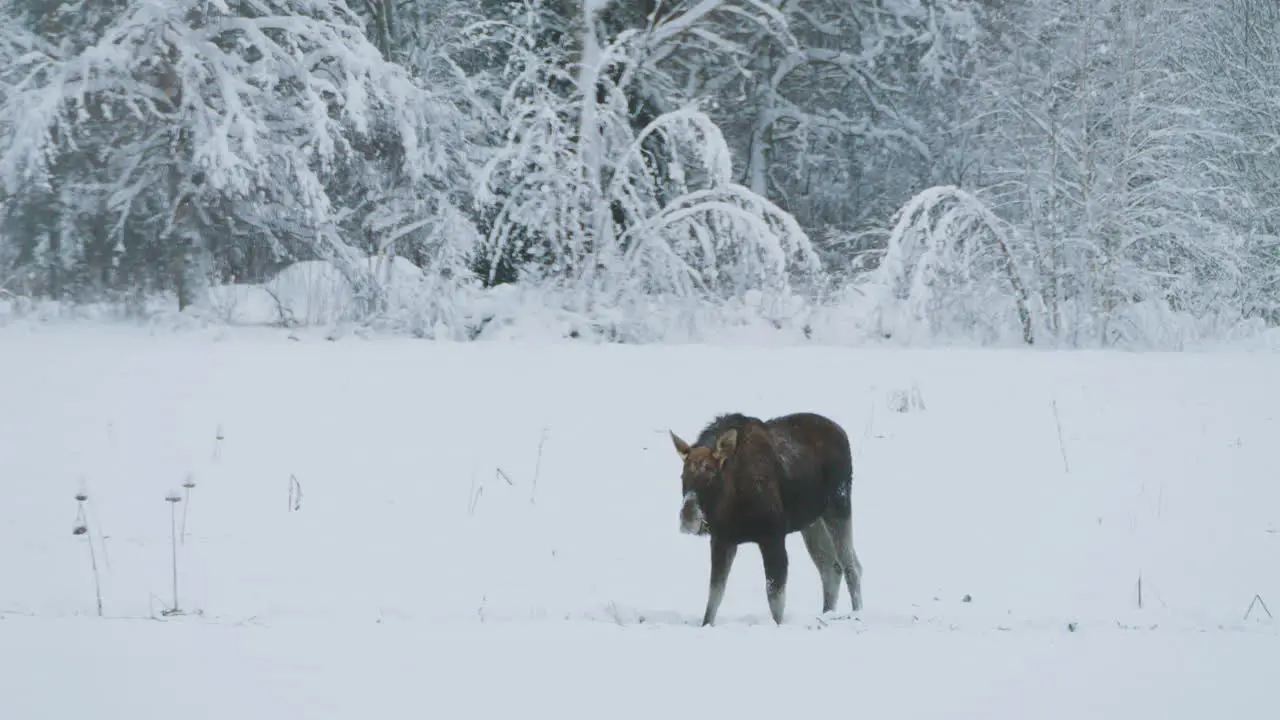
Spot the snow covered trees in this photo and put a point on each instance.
(1101, 148)
(612, 211)
(1079, 172)
(194, 130)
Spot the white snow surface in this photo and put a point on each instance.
(441, 564)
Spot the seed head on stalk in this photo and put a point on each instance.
(81, 527)
(173, 498)
(187, 485)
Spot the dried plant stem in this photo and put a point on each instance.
(96, 524)
(1062, 446)
(473, 495)
(871, 418)
(173, 542)
(173, 533)
(1257, 600)
(295, 493)
(186, 504)
(93, 563)
(537, 467)
(82, 527)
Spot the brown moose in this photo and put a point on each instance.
(752, 481)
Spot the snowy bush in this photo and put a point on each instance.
(947, 269)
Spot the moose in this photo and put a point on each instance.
(746, 480)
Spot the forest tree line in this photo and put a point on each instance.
(1058, 171)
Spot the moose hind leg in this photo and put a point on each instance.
(841, 528)
(817, 540)
(774, 553)
(722, 554)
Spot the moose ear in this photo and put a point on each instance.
(682, 447)
(725, 444)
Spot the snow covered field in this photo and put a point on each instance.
(492, 528)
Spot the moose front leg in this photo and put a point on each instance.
(774, 553)
(722, 554)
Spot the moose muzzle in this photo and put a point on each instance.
(692, 521)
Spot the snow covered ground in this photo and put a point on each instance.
(492, 528)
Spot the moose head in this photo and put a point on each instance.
(701, 478)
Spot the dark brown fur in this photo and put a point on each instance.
(750, 481)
